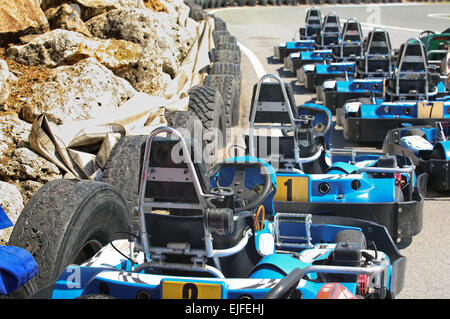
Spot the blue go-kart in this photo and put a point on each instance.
(319, 180)
(197, 241)
(324, 43)
(307, 36)
(340, 62)
(429, 149)
(17, 265)
(368, 77)
(414, 94)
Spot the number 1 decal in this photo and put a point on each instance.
(288, 185)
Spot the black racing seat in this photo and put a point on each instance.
(350, 46)
(331, 30)
(271, 93)
(377, 59)
(271, 110)
(412, 78)
(313, 24)
(181, 213)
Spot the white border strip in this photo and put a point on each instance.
(259, 68)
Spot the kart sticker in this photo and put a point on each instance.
(352, 107)
(309, 67)
(417, 143)
(308, 256)
(432, 110)
(329, 84)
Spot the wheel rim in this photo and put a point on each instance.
(88, 250)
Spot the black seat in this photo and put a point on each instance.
(313, 24)
(175, 216)
(161, 156)
(331, 30)
(350, 45)
(271, 92)
(300, 141)
(377, 60)
(412, 77)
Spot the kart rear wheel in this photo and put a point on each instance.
(67, 222)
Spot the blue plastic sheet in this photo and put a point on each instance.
(17, 266)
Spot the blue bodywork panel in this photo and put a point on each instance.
(303, 44)
(332, 68)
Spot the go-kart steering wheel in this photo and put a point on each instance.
(251, 198)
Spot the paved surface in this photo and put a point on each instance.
(258, 29)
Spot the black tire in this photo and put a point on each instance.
(125, 159)
(352, 236)
(231, 56)
(228, 68)
(251, 3)
(242, 2)
(66, 222)
(207, 104)
(219, 33)
(223, 38)
(229, 46)
(227, 86)
(219, 24)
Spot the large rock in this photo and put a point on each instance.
(85, 90)
(164, 43)
(12, 203)
(20, 17)
(66, 17)
(13, 133)
(4, 76)
(60, 47)
(91, 8)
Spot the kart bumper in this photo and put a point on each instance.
(358, 129)
(313, 79)
(438, 170)
(378, 234)
(281, 52)
(334, 100)
(402, 220)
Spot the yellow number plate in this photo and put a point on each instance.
(292, 189)
(430, 110)
(190, 290)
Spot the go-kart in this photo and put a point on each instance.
(413, 94)
(365, 79)
(197, 241)
(325, 41)
(428, 148)
(17, 265)
(341, 63)
(437, 48)
(307, 36)
(313, 178)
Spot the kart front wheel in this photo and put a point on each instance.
(67, 222)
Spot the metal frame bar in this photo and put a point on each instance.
(399, 69)
(369, 45)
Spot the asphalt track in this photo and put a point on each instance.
(258, 29)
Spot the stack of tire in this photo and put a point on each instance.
(216, 102)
